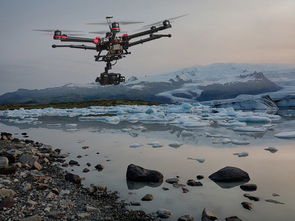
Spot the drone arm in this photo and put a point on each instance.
(75, 46)
(76, 39)
(166, 24)
(152, 37)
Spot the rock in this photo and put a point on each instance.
(27, 187)
(147, 197)
(200, 177)
(83, 215)
(7, 202)
(135, 203)
(175, 145)
(37, 165)
(32, 218)
(6, 136)
(28, 158)
(3, 162)
(91, 209)
(186, 218)
(271, 149)
(73, 178)
(247, 205)
(275, 194)
(178, 185)
(172, 180)
(85, 170)
(7, 193)
(250, 197)
(192, 182)
(184, 190)
(273, 201)
(73, 162)
(85, 147)
(165, 188)
(42, 186)
(164, 213)
(56, 214)
(230, 174)
(8, 170)
(88, 164)
(249, 187)
(99, 167)
(137, 173)
(233, 218)
(208, 215)
(242, 154)
(79, 156)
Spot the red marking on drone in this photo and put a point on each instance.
(61, 36)
(96, 40)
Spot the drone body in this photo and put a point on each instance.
(112, 47)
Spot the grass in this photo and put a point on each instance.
(76, 104)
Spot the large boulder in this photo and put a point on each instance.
(139, 174)
(230, 174)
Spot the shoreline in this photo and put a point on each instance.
(34, 186)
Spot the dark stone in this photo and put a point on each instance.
(184, 190)
(73, 178)
(233, 218)
(248, 187)
(137, 173)
(7, 202)
(208, 215)
(230, 174)
(200, 177)
(8, 170)
(88, 164)
(193, 183)
(99, 167)
(172, 180)
(247, 205)
(186, 218)
(147, 197)
(250, 197)
(85, 170)
(73, 162)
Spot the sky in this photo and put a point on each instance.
(240, 31)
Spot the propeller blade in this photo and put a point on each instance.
(52, 30)
(71, 34)
(120, 22)
(98, 32)
(160, 22)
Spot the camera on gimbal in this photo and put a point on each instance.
(110, 78)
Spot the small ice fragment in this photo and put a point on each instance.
(249, 129)
(155, 144)
(186, 133)
(254, 119)
(53, 125)
(135, 145)
(175, 145)
(289, 134)
(226, 141)
(199, 159)
(271, 149)
(241, 154)
(71, 125)
(240, 142)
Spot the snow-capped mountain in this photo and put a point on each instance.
(199, 83)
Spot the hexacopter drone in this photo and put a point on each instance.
(112, 47)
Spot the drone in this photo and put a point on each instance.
(113, 46)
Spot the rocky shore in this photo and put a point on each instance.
(33, 187)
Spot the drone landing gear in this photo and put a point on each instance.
(107, 78)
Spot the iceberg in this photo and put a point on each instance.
(286, 135)
(249, 129)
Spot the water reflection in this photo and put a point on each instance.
(131, 185)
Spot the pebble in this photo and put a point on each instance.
(250, 197)
(208, 215)
(147, 197)
(85, 147)
(200, 177)
(248, 187)
(86, 170)
(135, 203)
(247, 205)
(4, 162)
(271, 149)
(99, 167)
(175, 145)
(192, 182)
(7, 193)
(164, 213)
(32, 218)
(233, 218)
(172, 180)
(186, 218)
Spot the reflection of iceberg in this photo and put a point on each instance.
(138, 185)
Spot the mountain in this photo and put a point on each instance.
(199, 83)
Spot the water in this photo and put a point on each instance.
(272, 172)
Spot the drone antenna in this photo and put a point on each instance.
(108, 18)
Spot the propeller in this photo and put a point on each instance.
(120, 22)
(70, 32)
(160, 22)
(98, 32)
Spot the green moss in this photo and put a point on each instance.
(76, 104)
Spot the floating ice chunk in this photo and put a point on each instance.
(249, 129)
(241, 154)
(287, 135)
(226, 141)
(186, 106)
(71, 125)
(199, 159)
(186, 133)
(216, 135)
(71, 129)
(53, 125)
(150, 111)
(135, 145)
(232, 124)
(254, 119)
(271, 149)
(175, 145)
(155, 144)
(195, 124)
(240, 142)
